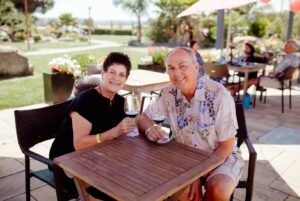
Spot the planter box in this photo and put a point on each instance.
(152, 67)
(57, 87)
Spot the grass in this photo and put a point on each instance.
(16, 92)
(45, 45)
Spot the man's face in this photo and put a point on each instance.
(289, 48)
(183, 72)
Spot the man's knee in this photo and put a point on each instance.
(220, 187)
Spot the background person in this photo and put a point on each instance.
(291, 59)
(196, 46)
(201, 113)
(96, 115)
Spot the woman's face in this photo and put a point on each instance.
(247, 50)
(196, 46)
(115, 77)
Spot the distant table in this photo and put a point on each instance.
(134, 169)
(246, 70)
(144, 80)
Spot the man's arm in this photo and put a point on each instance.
(146, 124)
(225, 148)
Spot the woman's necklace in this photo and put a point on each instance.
(110, 101)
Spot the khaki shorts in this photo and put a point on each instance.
(232, 167)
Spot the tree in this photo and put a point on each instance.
(138, 8)
(67, 19)
(167, 27)
(34, 5)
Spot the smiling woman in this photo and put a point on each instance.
(96, 115)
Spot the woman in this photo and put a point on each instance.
(252, 57)
(96, 115)
(195, 46)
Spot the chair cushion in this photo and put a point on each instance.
(272, 82)
(83, 83)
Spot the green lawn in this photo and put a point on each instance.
(16, 92)
(45, 45)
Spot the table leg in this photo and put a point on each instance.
(246, 74)
(81, 186)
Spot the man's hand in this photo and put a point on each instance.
(155, 133)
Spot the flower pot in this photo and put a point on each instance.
(57, 87)
(152, 67)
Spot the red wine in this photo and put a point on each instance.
(158, 119)
(131, 114)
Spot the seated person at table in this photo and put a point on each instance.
(201, 113)
(195, 46)
(252, 57)
(96, 115)
(289, 60)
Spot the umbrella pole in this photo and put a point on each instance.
(228, 40)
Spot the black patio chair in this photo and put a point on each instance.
(242, 137)
(33, 127)
(282, 82)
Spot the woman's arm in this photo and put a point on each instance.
(82, 128)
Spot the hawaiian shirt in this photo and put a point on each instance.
(203, 122)
(290, 60)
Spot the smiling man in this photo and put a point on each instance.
(201, 113)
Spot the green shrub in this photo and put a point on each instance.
(36, 38)
(83, 59)
(112, 32)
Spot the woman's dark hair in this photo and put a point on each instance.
(192, 43)
(117, 58)
(252, 50)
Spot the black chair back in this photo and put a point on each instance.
(38, 125)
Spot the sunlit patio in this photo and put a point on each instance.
(276, 175)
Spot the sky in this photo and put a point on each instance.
(105, 10)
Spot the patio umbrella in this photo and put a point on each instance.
(212, 5)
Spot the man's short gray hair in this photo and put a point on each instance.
(188, 50)
(293, 43)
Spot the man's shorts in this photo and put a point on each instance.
(232, 167)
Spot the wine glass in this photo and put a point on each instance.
(157, 115)
(131, 106)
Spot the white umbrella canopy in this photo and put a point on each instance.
(212, 5)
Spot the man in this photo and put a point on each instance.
(289, 60)
(202, 115)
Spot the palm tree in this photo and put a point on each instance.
(137, 7)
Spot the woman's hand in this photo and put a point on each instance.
(125, 126)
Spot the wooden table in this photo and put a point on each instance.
(134, 169)
(144, 80)
(246, 70)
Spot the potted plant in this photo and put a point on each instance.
(58, 84)
(155, 60)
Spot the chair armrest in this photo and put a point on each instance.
(250, 147)
(252, 162)
(39, 158)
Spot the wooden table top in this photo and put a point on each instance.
(247, 68)
(135, 169)
(144, 80)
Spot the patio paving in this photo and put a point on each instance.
(276, 178)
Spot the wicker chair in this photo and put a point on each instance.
(35, 126)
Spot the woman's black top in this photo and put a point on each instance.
(102, 113)
(95, 108)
